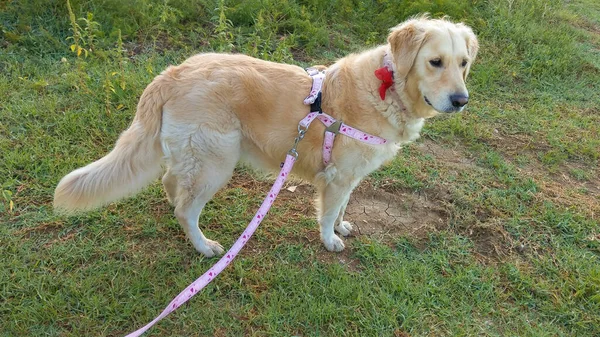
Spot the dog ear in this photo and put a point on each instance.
(472, 46)
(405, 41)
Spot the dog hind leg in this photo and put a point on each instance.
(205, 163)
(170, 184)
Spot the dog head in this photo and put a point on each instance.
(432, 60)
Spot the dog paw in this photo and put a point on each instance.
(212, 248)
(345, 228)
(333, 243)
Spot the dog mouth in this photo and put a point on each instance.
(448, 110)
(427, 101)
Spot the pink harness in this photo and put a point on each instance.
(333, 126)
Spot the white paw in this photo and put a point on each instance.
(333, 243)
(345, 228)
(211, 248)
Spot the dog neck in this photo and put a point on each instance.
(386, 74)
(408, 119)
(408, 101)
(353, 76)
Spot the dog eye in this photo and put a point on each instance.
(464, 63)
(436, 63)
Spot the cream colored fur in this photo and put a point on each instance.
(201, 118)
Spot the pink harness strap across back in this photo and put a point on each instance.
(333, 127)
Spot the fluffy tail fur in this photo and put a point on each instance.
(130, 166)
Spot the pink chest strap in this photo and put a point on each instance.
(333, 126)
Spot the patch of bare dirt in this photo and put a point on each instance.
(562, 188)
(558, 185)
(586, 25)
(591, 185)
(491, 241)
(383, 215)
(401, 333)
(454, 157)
(51, 231)
(43, 228)
(515, 144)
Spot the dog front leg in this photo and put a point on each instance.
(332, 200)
(344, 228)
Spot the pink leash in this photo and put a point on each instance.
(333, 127)
(205, 279)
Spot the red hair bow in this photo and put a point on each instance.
(387, 79)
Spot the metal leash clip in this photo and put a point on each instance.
(301, 132)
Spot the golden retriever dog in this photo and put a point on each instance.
(201, 118)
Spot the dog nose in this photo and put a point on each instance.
(459, 100)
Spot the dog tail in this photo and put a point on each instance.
(130, 166)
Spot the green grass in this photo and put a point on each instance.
(514, 180)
